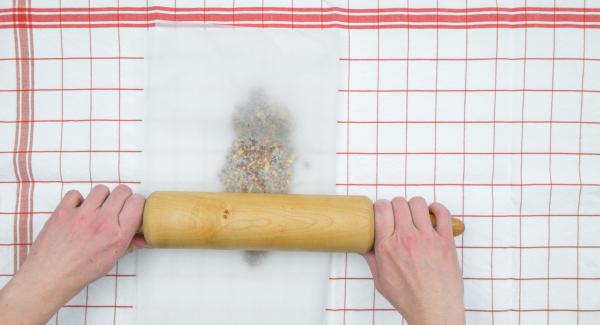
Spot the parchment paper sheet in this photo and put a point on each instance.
(196, 78)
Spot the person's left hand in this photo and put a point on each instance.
(80, 242)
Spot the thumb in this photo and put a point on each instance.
(136, 243)
(371, 261)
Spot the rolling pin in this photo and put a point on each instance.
(252, 221)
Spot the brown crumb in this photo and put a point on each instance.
(260, 159)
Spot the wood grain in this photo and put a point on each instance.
(259, 221)
(253, 221)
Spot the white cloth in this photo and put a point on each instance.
(80, 137)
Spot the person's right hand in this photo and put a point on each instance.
(415, 266)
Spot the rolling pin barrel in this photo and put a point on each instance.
(260, 221)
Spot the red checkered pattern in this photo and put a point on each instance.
(490, 107)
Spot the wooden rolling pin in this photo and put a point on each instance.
(262, 221)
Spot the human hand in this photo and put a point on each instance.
(80, 242)
(415, 266)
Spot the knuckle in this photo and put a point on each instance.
(99, 224)
(408, 240)
(387, 248)
(81, 216)
(61, 213)
(105, 229)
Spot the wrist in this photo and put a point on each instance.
(31, 297)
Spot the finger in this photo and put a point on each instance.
(443, 221)
(420, 213)
(96, 197)
(402, 218)
(137, 242)
(72, 199)
(115, 201)
(370, 258)
(130, 217)
(384, 220)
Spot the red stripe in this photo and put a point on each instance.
(75, 58)
(314, 26)
(23, 140)
(520, 247)
(407, 25)
(466, 90)
(470, 122)
(473, 310)
(488, 279)
(33, 89)
(561, 310)
(54, 26)
(71, 151)
(533, 215)
(70, 182)
(466, 184)
(471, 59)
(302, 18)
(32, 116)
(299, 17)
(534, 279)
(16, 147)
(499, 153)
(302, 9)
(106, 275)
(72, 120)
